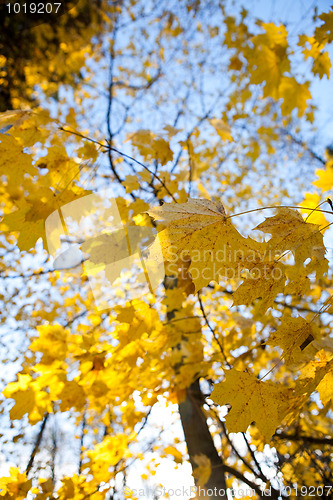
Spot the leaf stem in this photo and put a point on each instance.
(278, 206)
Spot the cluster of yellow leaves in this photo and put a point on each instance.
(78, 487)
(107, 372)
(35, 393)
(200, 238)
(266, 403)
(49, 181)
(140, 354)
(151, 147)
(268, 63)
(267, 58)
(199, 231)
(270, 404)
(16, 486)
(201, 234)
(107, 454)
(50, 54)
(321, 60)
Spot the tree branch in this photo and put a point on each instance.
(37, 444)
(306, 439)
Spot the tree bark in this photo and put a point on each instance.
(199, 441)
(198, 438)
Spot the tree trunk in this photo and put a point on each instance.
(199, 441)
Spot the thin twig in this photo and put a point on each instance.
(146, 168)
(37, 444)
(83, 427)
(212, 330)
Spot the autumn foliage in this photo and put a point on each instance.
(196, 120)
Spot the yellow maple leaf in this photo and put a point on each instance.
(13, 117)
(62, 170)
(290, 232)
(274, 36)
(321, 60)
(151, 146)
(311, 201)
(88, 150)
(265, 281)
(16, 486)
(324, 33)
(203, 471)
(265, 403)
(32, 130)
(14, 162)
(172, 450)
(325, 388)
(322, 65)
(268, 60)
(108, 453)
(52, 342)
(31, 213)
(71, 396)
(294, 95)
(325, 181)
(131, 183)
(266, 67)
(295, 337)
(199, 231)
(23, 395)
(67, 489)
(222, 129)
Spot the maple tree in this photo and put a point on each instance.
(196, 116)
